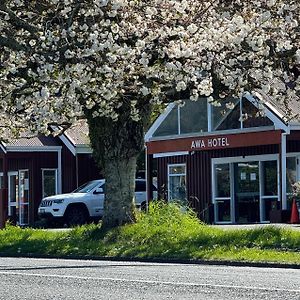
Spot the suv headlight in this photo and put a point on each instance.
(58, 201)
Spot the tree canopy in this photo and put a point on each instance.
(59, 58)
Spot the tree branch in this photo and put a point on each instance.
(11, 44)
(18, 22)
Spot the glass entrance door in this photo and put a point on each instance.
(247, 192)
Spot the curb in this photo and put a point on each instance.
(161, 260)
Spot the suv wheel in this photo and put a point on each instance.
(76, 215)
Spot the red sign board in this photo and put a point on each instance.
(215, 142)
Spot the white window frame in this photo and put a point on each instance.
(239, 159)
(56, 179)
(11, 204)
(174, 175)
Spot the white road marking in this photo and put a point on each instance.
(149, 281)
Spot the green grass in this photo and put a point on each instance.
(166, 231)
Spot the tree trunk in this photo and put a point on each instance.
(116, 145)
(119, 192)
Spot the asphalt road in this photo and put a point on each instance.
(23, 278)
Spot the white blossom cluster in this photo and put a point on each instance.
(60, 58)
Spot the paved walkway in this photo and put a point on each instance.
(252, 226)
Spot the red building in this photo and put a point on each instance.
(32, 168)
(232, 162)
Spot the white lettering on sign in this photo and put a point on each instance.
(210, 143)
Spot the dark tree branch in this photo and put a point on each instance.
(11, 44)
(18, 22)
(73, 14)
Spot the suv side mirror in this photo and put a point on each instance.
(99, 190)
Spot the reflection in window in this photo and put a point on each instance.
(193, 116)
(270, 187)
(291, 173)
(49, 182)
(253, 117)
(177, 184)
(170, 125)
(226, 114)
(222, 180)
(223, 211)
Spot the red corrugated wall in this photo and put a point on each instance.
(199, 173)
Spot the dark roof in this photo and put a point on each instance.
(36, 141)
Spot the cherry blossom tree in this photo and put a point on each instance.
(113, 61)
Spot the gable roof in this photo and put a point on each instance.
(75, 138)
(78, 134)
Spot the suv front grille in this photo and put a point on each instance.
(46, 203)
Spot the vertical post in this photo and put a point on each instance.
(59, 172)
(283, 171)
(149, 176)
(76, 169)
(209, 117)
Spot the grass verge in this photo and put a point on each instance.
(165, 232)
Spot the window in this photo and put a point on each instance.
(291, 173)
(269, 197)
(200, 116)
(254, 117)
(193, 116)
(140, 186)
(222, 197)
(226, 115)
(170, 125)
(177, 183)
(49, 182)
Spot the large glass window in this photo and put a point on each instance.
(245, 191)
(269, 170)
(170, 125)
(193, 116)
(226, 114)
(177, 183)
(253, 117)
(49, 182)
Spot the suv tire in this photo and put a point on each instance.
(76, 215)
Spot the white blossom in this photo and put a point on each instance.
(98, 56)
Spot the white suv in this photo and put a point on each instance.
(85, 202)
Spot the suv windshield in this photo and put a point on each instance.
(87, 187)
